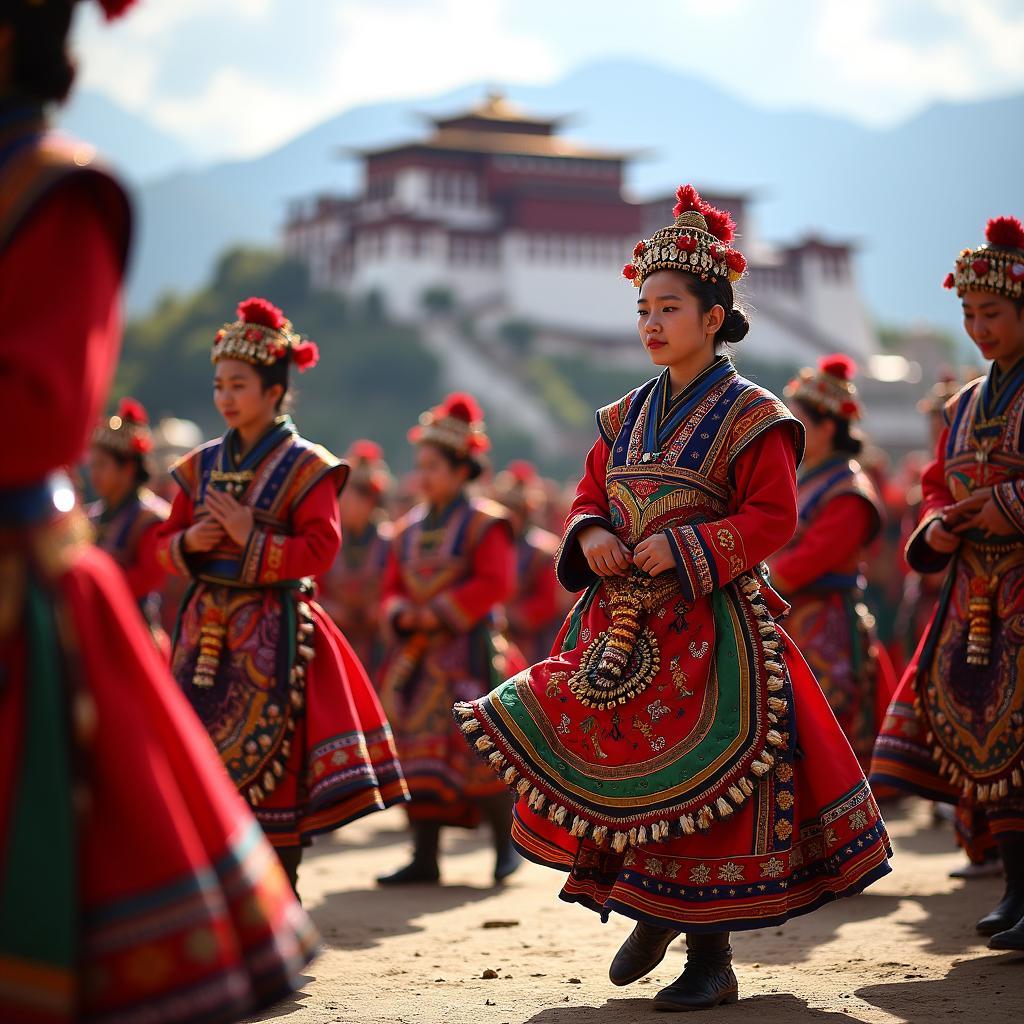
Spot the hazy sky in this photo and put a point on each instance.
(236, 77)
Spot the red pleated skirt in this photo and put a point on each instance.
(183, 913)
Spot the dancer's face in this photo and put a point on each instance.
(995, 325)
(673, 327)
(438, 480)
(240, 397)
(111, 478)
(356, 507)
(819, 435)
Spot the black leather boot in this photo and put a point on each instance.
(497, 812)
(1010, 936)
(423, 869)
(290, 858)
(707, 980)
(643, 950)
(1010, 908)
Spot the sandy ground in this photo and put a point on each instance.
(904, 951)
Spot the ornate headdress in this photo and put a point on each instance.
(997, 266)
(829, 389)
(369, 470)
(697, 243)
(261, 336)
(940, 393)
(456, 424)
(126, 433)
(518, 486)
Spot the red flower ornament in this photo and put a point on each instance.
(306, 355)
(981, 267)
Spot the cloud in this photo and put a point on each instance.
(882, 66)
(254, 96)
(236, 77)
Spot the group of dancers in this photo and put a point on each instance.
(691, 749)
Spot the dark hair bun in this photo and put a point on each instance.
(734, 327)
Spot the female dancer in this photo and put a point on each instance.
(127, 515)
(675, 756)
(955, 729)
(820, 572)
(284, 699)
(533, 611)
(350, 589)
(451, 565)
(134, 884)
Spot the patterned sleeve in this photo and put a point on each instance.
(589, 508)
(1009, 496)
(709, 555)
(920, 555)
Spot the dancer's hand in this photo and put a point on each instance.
(236, 519)
(405, 618)
(989, 519)
(427, 620)
(203, 536)
(604, 552)
(953, 516)
(938, 538)
(654, 555)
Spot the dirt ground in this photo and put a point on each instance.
(904, 951)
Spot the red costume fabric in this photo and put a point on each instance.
(954, 728)
(459, 563)
(134, 885)
(820, 572)
(674, 754)
(535, 609)
(129, 535)
(286, 702)
(350, 591)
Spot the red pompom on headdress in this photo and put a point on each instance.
(687, 198)
(461, 406)
(838, 365)
(306, 355)
(368, 451)
(736, 261)
(132, 411)
(1005, 232)
(719, 222)
(522, 471)
(259, 311)
(115, 8)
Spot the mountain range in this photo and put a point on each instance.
(910, 196)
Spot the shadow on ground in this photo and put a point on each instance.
(780, 1007)
(287, 1005)
(989, 989)
(362, 918)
